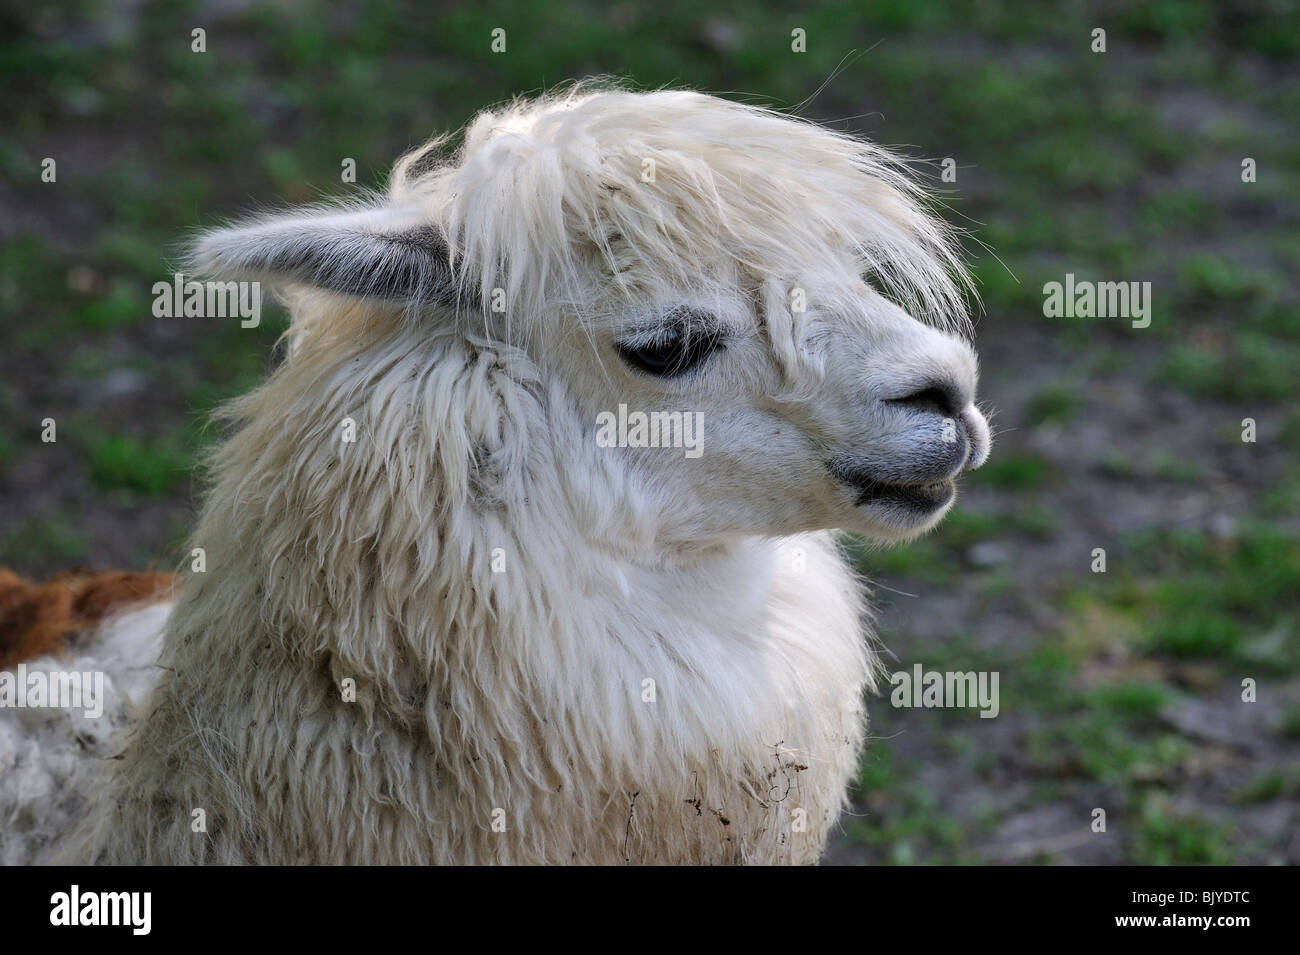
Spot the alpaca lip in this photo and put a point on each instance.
(924, 496)
(917, 497)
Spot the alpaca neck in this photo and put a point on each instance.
(517, 632)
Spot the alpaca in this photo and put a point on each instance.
(439, 621)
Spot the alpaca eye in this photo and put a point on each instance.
(672, 351)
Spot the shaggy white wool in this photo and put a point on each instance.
(472, 634)
(51, 758)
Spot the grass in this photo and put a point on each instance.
(1186, 596)
(1014, 472)
(146, 466)
(904, 821)
(1168, 466)
(1215, 278)
(1056, 404)
(1137, 701)
(1177, 209)
(1249, 367)
(1269, 786)
(56, 538)
(1097, 746)
(1290, 725)
(1164, 836)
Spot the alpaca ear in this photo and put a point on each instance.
(370, 253)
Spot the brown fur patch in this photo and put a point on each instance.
(36, 619)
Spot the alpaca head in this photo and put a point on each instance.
(776, 291)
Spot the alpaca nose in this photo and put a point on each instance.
(947, 400)
(940, 399)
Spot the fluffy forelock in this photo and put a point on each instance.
(546, 200)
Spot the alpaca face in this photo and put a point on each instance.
(775, 294)
(857, 416)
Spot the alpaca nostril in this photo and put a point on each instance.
(933, 399)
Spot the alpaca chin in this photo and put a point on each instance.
(897, 523)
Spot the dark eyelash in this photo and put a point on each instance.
(686, 339)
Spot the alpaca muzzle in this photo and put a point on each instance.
(962, 427)
(913, 469)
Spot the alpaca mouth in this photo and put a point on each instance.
(916, 497)
(921, 497)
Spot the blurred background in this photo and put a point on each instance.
(1119, 690)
